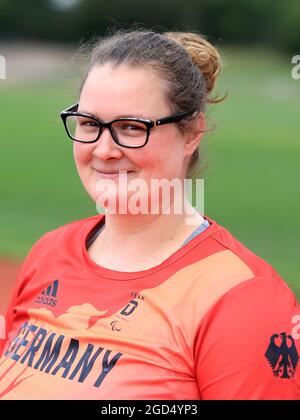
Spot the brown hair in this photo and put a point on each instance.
(186, 61)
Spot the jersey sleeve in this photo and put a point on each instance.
(23, 277)
(248, 344)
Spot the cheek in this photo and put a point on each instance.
(154, 153)
(143, 159)
(167, 155)
(82, 153)
(163, 157)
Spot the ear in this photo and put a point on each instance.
(194, 136)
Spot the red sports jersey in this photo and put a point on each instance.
(213, 321)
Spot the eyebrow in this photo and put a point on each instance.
(128, 115)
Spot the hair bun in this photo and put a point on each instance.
(203, 54)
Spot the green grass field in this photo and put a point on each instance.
(251, 187)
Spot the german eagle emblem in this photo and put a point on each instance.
(283, 357)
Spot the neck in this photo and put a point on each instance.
(138, 242)
(150, 228)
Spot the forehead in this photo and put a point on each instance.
(112, 89)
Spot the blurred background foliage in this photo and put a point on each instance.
(252, 155)
(271, 22)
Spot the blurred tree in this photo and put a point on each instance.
(271, 22)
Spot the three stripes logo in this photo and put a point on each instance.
(49, 295)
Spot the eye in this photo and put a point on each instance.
(88, 123)
(132, 127)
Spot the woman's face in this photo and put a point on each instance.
(113, 92)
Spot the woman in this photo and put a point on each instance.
(140, 304)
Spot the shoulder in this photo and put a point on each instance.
(231, 284)
(260, 303)
(234, 253)
(219, 264)
(55, 241)
(219, 257)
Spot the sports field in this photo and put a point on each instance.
(251, 187)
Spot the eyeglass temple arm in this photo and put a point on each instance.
(72, 108)
(173, 118)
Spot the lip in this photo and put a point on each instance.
(111, 174)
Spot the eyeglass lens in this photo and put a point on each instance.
(127, 132)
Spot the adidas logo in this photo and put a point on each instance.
(49, 295)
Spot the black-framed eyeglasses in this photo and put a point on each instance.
(127, 132)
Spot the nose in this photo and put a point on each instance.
(105, 147)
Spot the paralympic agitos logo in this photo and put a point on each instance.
(128, 310)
